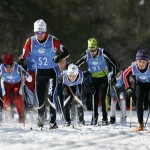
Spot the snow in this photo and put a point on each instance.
(15, 136)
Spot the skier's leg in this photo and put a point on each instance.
(96, 100)
(41, 85)
(68, 103)
(122, 97)
(52, 102)
(104, 86)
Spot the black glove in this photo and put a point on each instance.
(130, 92)
(20, 61)
(113, 81)
(92, 89)
(56, 59)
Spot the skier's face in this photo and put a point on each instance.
(9, 68)
(93, 52)
(40, 35)
(141, 64)
(118, 74)
(72, 78)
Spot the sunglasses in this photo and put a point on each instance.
(8, 66)
(39, 32)
(92, 51)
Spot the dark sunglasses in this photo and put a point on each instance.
(39, 32)
(8, 66)
(92, 51)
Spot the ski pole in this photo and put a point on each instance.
(7, 107)
(93, 108)
(130, 111)
(23, 96)
(75, 97)
(61, 110)
(147, 118)
(117, 96)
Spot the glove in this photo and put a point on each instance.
(130, 92)
(20, 61)
(113, 81)
(92, 89)
(56, 59)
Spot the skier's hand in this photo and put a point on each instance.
(113, 81)
(92, 89)
(20, 61)
(130, 92)
(57, 59)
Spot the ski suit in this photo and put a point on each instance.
(98, 66)
(72, 95)
(11, 84)
(142, 86)
(43, 52)
(118, 94)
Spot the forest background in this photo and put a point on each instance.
(120, 26)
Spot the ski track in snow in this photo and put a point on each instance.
(14, 136)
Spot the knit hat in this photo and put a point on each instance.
(142, 55)
(92, 44)
(8, 59)
(73, 70)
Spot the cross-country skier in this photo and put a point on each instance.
(98, 59)
(118, 94)
(11, 83)
(72, 90)
(47, 52)
(140, 69)
(61, 66)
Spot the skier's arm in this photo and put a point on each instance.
(87, 76)
(26, 50)
(126, 74)
(62, 53)
(82, 59)
(24, 74)
(110, 62)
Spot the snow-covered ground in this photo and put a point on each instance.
(14, 136)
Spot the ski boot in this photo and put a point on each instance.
(21, 119)
(67, 124)
(104, 122)
(41, 120)
(140, 127)
(123, 120)
(94, 121)
(112, 120)
(81, 123)
(53, 125)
